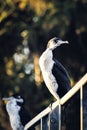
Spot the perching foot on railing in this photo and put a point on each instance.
(50, 106)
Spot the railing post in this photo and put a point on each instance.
(49, 122)
(81, 108)
(41, 124)
(59, 114)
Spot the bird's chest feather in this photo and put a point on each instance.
(15, 122)
(13, 111)
(46, 64)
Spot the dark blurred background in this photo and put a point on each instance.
(25, 28)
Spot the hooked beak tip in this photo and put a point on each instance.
(66, 42)
(4, 99)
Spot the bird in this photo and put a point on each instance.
(54, 73)
(18, 115)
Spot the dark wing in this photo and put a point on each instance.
(25, 117)
(62, 78)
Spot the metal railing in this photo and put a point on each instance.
(64, 99)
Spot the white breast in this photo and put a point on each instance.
(46, 64)
(15, 122)
(13, 112)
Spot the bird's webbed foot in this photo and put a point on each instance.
(50, 106)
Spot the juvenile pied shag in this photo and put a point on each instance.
(54, 74)
(18, 116)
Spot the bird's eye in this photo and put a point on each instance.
(19, 97)
(56, 40)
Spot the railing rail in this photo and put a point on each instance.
(74, 89)
(64, 99)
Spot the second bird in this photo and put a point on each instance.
(18, 115)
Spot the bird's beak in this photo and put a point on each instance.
(63, 42)
(5, 100)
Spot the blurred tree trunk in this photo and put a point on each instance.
(38, 75)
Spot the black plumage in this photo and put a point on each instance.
(25, 117)
(62, 78)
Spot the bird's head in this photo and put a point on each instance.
(55, 42)
(14, 99)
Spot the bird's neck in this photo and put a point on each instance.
(12, 108)
(48, 53)
(46, 61)
(45, 58)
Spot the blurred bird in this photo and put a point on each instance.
(54, 74)
(19, 117)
